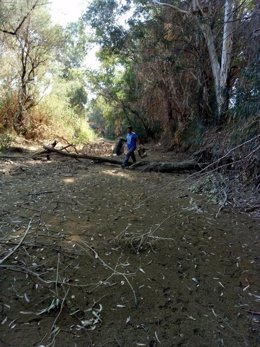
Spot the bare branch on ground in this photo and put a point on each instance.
(18, 245)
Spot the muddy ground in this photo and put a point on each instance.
(115, 257)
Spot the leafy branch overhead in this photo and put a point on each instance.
(7, 9)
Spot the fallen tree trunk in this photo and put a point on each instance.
(144, 166)
(82, 156)
(158, 166)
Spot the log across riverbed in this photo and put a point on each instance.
(83, 156)
(144, 165)
(158, 166)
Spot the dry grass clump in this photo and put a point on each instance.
(47, 120)
(8, 111)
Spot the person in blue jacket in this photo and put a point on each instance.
(131, 140)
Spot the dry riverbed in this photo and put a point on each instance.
(115, 257)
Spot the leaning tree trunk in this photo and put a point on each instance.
(223, 92)
(220, 70)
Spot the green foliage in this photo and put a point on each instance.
(155, 71)
(73, 88)
(242, 130)
(75, 48)
(64, 120)
(247, 93)
(166, 84)
(80, 129)
(193, 133)
(42, 82)
(27, 55)
(104, 17)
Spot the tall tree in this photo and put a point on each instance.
(182, 55)
(32, 45)
(72, 65)
(202, 11)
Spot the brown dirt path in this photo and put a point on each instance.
(125, 259)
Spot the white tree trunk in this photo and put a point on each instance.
(214, 62)
(226, 54)
(220, 68)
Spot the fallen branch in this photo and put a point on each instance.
(19, 244)
(61, 307)
(140, 165)
(83, 156)
(221, 166)
(57, 274)
(22, 269)
(158, 166)
(139, 241)
(114, 271)
(204, 170)
(46, 192)
(12, 157)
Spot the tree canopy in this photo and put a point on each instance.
(170, 68)
(184, 62)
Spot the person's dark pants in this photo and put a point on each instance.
(130, 153)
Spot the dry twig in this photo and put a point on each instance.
(19, 244)
(114, 271)
(202, 172)
(57, 274)
(138, 241)
(61, 308)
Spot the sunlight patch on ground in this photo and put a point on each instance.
(74, 238)
(69, 180)
(118, 173)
